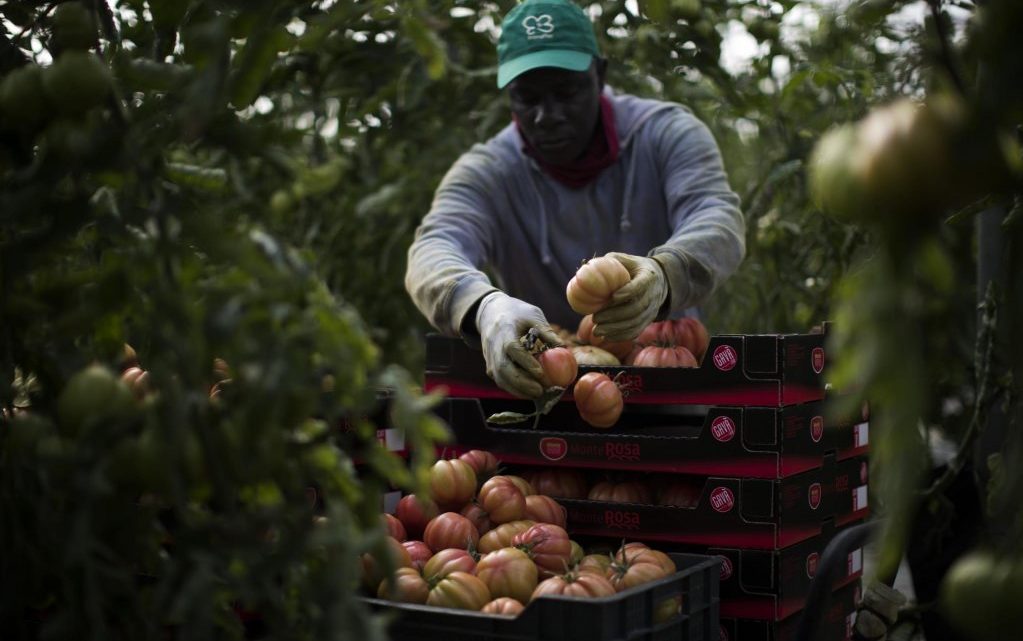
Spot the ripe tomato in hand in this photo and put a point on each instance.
(591, 287)
(559, 367)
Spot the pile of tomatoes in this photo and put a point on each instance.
(488, 541)
(621, 487)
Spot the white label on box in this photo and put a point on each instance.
(391, 501)
(855, 565)
(861, 434)
(394, 439)
(860, 498)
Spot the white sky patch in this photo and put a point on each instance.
(296, 27)
(263, 105)
(462, 12)
(739, 48)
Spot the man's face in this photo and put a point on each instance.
(557, 109)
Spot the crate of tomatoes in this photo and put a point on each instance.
(484, 556)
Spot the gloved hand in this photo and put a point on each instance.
(501, 320)
(637, 303)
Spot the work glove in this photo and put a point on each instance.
(637, 303)
(501, 321)
(878, 611)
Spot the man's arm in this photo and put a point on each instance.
(708, 240)
(451, 246)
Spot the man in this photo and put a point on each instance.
(579, 173)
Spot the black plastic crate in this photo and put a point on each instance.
(626, 616)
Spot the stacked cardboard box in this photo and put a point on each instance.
(774, 474)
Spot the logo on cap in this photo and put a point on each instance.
(538, 26)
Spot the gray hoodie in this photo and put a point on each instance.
(496, 210)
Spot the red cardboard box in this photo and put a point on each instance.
(774, 584)
(836, 621)
(738, 512)
(752, 442)
(764, 370)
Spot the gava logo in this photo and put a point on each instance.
(725, 358)
(817, 428)
(723, 429)
(817, 359)
(812, 560)
(813, 496)
(538, 26)
(727, 568)
(722, 499)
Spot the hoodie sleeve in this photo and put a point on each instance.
(454, 243)
(708, 239)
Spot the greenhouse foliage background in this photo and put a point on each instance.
(216, 179)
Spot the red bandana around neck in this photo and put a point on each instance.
(601, 153)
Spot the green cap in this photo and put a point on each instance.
(544, 33)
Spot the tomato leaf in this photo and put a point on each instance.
(509, 418)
